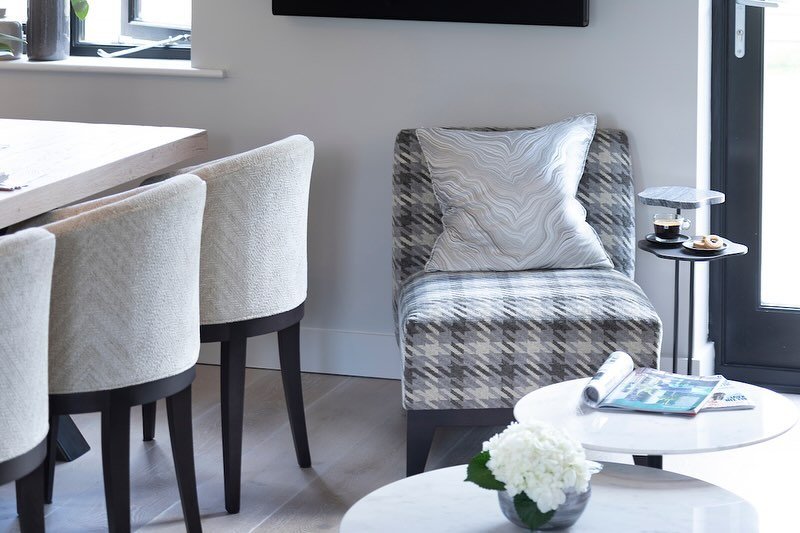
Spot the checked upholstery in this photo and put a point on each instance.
(485, 339)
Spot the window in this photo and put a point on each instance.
(16, 9)
(119, 25)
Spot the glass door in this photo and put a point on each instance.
(756, 299)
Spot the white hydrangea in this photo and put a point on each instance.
(539, 460)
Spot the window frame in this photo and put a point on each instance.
(137, 29)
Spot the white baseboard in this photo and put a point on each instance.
(702, 361)
(376, 355)
(325, 351)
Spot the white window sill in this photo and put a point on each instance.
(150, 67)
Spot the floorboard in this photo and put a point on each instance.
(357, 436)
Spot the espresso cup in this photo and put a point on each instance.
(669, 226)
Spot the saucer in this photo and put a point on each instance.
(689, 245)
(658, 240)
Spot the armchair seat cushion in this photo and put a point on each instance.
(484, 339)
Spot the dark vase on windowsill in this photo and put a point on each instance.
(48, 30)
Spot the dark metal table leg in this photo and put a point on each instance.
(653, 461)
(691, 319)
(71, 443)
(675, 316)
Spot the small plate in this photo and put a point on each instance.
(689, 245)
(652, 237)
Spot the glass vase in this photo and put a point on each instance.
(48, 30)
(565, 516)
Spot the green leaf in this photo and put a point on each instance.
(529, 512)
(10, 38)
(81, 8)
(479, 473)
(5, 48)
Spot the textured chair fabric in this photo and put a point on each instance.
(26, 266)
(124, 304)
(253, 280)
(254, 261)
(606, 192)
(471, 340)
(484, 339)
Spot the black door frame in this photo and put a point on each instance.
(736, 130)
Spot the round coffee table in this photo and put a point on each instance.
(624, 498)
(654, 434)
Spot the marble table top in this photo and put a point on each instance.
(624, 498)
(656, 434)
(680, 197)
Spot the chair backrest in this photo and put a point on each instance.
(254, 252)
(124, 304)
(606, 191)
(26, 267)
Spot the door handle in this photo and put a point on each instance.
(739, 31)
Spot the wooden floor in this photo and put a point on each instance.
(357, 435)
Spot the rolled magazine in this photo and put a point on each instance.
(614, 370)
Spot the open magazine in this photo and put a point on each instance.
(618, 385)
(727, 398)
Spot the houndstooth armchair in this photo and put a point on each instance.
(474, 343)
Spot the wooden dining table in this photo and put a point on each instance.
(59, 163)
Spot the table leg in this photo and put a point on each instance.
(676, 310)
(691, 319)
(653, 461)
(71, 443)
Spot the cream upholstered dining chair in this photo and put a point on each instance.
(253, 279)
(124, 324)
(26, 264)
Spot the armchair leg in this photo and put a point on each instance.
(420, 430)
(232, 360)
(115, 437)
(179, 415)
(148, 421)
(30, 501)
(289, 353)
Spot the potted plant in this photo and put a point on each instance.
(11, 40)
(541, 473)
(48, 27)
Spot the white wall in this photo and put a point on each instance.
(350, 85)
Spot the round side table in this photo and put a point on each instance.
(680, 254)
(624, 498)
(652, 435)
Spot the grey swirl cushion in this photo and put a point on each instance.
(474, 340)
(508, 198)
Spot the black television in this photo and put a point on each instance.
(537, 12)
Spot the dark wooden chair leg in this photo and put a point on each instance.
(179, 415)
(289, 353)
(148, 421)
(115, 437)
(420, 430)
(50, 459)
(30, 501)
(71, 443)
(232, 360)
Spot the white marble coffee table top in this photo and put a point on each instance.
(656, 434)
(624, 498)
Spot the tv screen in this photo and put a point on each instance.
(545, 12)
